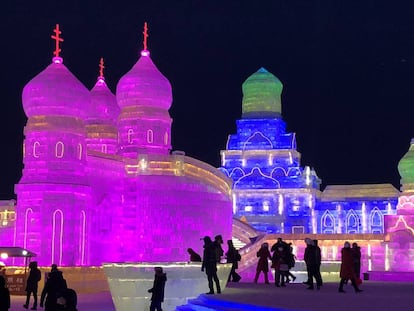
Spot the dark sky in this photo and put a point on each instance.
(347, 69)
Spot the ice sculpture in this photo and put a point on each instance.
(100, 183)
(129, 283)
(400, 227)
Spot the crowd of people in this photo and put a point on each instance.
(213, 254)
(57, 296)
(283, 260)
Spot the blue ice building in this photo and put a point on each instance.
(272, 191)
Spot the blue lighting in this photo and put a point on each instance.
(274, 193)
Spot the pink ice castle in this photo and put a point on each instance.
(100, 182)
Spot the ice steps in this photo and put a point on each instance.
(209, 303)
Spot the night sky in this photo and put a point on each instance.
(347, 69)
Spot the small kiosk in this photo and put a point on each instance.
(16, 281)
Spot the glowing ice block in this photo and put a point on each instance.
(129, 283)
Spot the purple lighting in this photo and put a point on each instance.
(99, 182)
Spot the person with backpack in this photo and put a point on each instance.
(32, 285)
(233, 257)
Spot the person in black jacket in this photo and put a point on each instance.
(55, 287)
(4, 295)
(32, 285)
(157, 289)
(312, 258)
(356, 256)
(233, 257)
(210, 265)
(193, 255)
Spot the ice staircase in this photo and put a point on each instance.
(210, 303)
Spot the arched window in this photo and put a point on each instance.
(150, 136)
(59, 149)
(166, 138)
(328, 223)
(35, 145)
(129, 136)
(104, 149)
(80, 151)
(352, 222)
(376, 218)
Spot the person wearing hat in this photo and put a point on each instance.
(347, 268)
(210, 265)
(157, 290)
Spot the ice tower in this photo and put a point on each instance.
(399, 228)
(271, 191)
(53, 193)
(102, 133)
(100, 183)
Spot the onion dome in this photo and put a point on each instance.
(406, 167)
(103, 109)
(144, 85)
(261, 95)
(55, 91)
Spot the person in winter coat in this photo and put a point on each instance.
(54, 288)
(157, 289)
(263, 265)
(356, 256)
(312, 258)
(218, 240)
(4, 295)
(347, 269)
(280, 264)
(233, 257)
(210, 265)
(32, 285)
(193, 255)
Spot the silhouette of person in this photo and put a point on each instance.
(218, 240)
(313, 261)
(263, 265)
(347, 269)
(356, 256)
(157, 290)
(210, 265)
(281, 266)
(233, 257)
(193, 255)
(54, 288)
(4, 295)
(32, 285)
(279, 243)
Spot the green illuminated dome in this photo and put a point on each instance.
(261, 95)
(406, 167)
